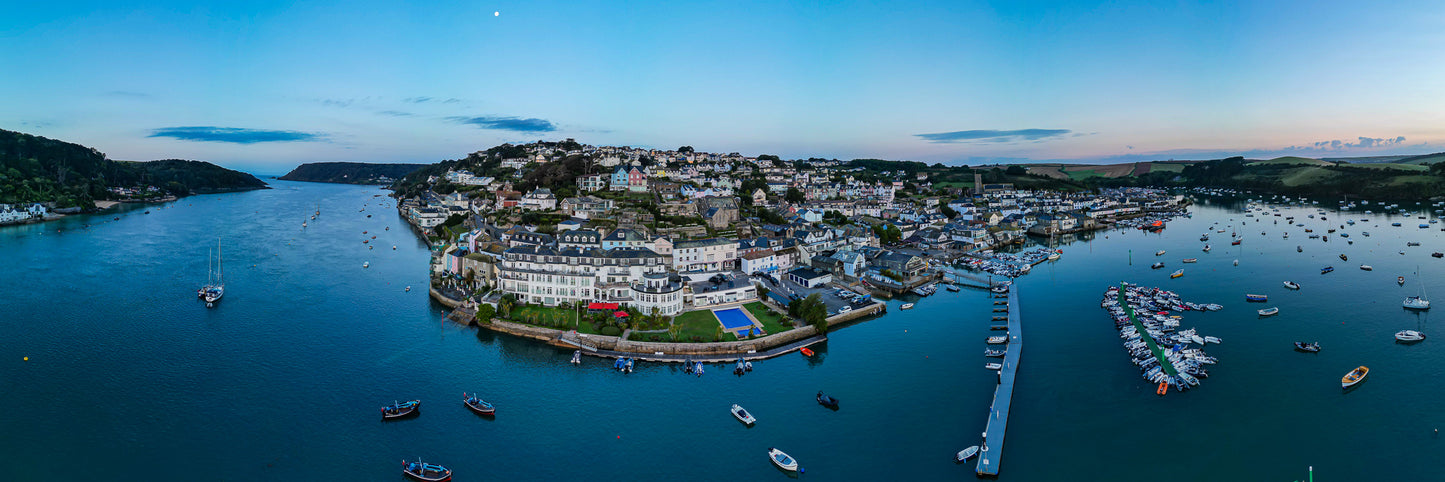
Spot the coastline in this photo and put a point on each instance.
(654, 351)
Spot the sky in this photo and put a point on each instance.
(263, 86)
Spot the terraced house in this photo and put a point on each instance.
(549, 276)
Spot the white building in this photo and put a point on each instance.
(713, 254)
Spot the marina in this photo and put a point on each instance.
(393, 338)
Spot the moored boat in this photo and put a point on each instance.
(1400, 280)
(478, 405)
(806, 351)
(783, 461)
(827, 400)
(577, 357)
(997, 340)
(906, 306)
(995, 353)
(1367, 267)
(1176, 274)
(1159, 253)
(742, 415)
(1191, 260)
(400, 409)
(965, 454)
(425, 472)
(1409, 336)
(1269, 311)
(1307, 347)
(1326, 269)
(1354, 377)
(993, 366)
(1157, 265)
(1256, 298)
(1291, 285)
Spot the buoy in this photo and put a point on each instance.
(28, 359)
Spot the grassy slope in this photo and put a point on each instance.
(1291, 160)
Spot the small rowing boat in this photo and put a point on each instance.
(478, 405)
(806, 351)
(426, 472)
(1354, 377)
(400, 409)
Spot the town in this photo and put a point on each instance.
(624, 248)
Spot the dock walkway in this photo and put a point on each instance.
(765, 354)
(1148, 340)
(991, 453)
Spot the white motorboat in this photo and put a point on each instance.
(965, 454)
(906, 306)
(1409, 336)
(1269, 311)
(1160, 253)
(997, 340)
(1291, 285)
(743, 415)
(993, 366)
(577, 357)
(1367, 267)
(783, 461)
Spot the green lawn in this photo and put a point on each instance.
(545, 315)
(1080, 175)
(773, 323)
(1390, 165)
(700, 323)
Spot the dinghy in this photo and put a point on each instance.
(743, 415)
(965, 454)
(783, 461)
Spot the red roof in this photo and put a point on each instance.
(620, 314)
(602, 306)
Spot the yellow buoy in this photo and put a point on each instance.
(27, 358)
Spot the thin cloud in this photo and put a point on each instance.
(234, 135)
(1363, 143)
(993, 136)
(424, 99)
(416, 100)
(514, 124)
(395, 113)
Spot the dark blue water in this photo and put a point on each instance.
(130, 377)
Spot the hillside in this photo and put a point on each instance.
(38, 169)
(350, 172)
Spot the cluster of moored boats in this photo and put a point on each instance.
(1161, 351)
(1010, 264)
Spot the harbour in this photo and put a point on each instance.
(368, 342)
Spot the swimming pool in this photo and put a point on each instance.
(733, 319)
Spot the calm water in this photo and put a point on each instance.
(130, 377)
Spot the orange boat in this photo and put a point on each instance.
(1354, 376)
(806, 351)
(1163, 388)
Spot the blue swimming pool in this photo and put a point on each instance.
(733, 319)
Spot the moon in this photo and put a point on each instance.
(496, 14)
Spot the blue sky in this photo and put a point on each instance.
(265, 85)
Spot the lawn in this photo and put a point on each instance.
(700, 323)
(1081, 175)
(545, 315)
(1390, 165)
(773, 322)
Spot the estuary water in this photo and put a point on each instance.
(130, 377)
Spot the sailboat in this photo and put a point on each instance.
(214, 291)
(1417, 302)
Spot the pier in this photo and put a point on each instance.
(1148, 340)
(990, 454)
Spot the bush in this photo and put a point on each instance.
(610, 330)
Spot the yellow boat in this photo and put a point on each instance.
(1177, 274)
(1355, 376)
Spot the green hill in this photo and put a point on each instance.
(38, 169)
(350, 172)
(1291, 160)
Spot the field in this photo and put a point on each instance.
(1390, 165)
(1289, 160)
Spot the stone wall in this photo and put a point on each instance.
(717, 348)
